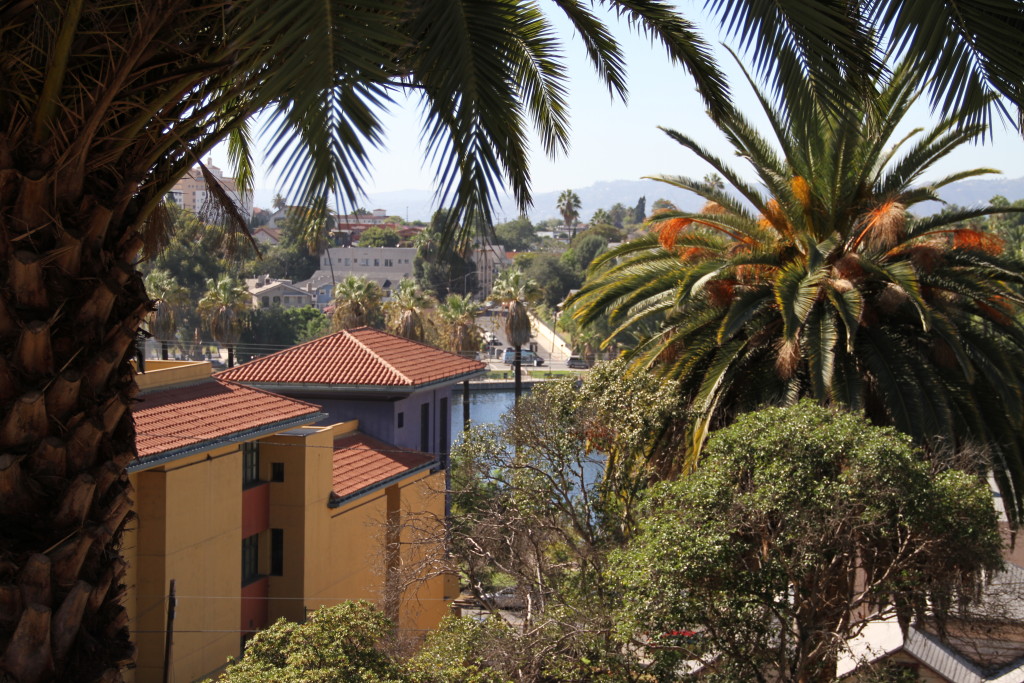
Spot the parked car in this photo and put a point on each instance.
(506, 598)
(528, 357)
(577, 362)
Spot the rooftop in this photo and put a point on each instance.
(190, 418)
(362, 462)
(362, 357)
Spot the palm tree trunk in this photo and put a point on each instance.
(68, 320)
(231, 355)
(518, 365)
(164, 349)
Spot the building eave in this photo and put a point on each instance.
(324, 389)
(164, 457)
(336, 501)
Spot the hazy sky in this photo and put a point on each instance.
(614, 141)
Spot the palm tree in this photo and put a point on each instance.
(459, 331)
(222, 309)
(104, 105)
(171, 299)
(513, 290)
(569, 207)
(405, 311)
(357, 302)
(829, 288)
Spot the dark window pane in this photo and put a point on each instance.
(250, 558)
(276, 552)
(277, 471)
(250, 463)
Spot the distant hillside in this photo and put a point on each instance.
(419, 204)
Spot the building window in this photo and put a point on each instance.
(286, 301)
(388, 263)
(277, 471)
(401, 420)
(276, 552)
(277, 300)
(376, 262)
(250, 463)
(266, 301)
(425, 427)
(250, 558)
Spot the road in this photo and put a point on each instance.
(495, 324)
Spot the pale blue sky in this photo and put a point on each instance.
(614, 141)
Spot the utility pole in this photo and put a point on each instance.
(169, 634)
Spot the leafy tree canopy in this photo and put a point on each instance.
(796, 519)
(377, 236)
(516, 235)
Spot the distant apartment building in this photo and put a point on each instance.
(191, 192)
(387, 266)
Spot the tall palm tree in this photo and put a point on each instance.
(513, 290)
(459, 331)
(569, 206)
(357, 302)
(105, 104)
(222, 310)
(171, 299)
(829, 288)
(404, 312)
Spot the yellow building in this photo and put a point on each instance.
(256, 513)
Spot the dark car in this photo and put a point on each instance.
(577, 362)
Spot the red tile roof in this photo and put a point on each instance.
(360, 357)
(360, 461)
(178, 417)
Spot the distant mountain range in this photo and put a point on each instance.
(419, 204)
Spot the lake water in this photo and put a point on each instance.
(486, 406)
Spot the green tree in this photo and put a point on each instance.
(640, 210)
(829, 288)
(171, 301)
(533, 511)
(459, 331)
(357, 302)
(274, 328)
(513, 290)
(553, 275)
(441, 267)
(516, 235)
(376, 236)
(223, 309)
(617, 214)
(798, 523)
(404, 314)
(337, 644)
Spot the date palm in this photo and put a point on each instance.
(823, 285)
(569, 206)
(404, 312)
(358, 301)
(105, 104)
(459, 331)
(222, 310)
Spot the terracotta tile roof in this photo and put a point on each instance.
(360, 357)
(360, 461)
(178, 417)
